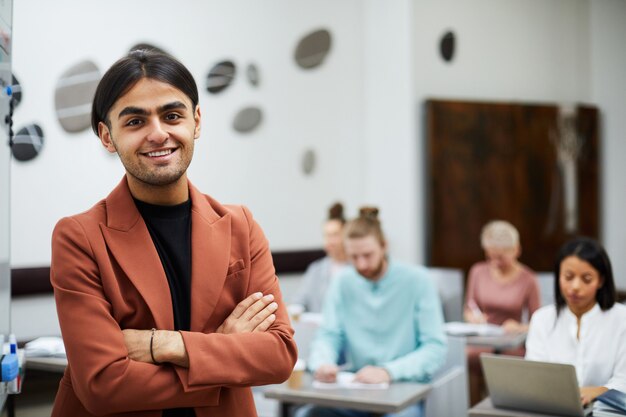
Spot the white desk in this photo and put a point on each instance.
(397, 397)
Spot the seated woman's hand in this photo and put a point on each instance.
(514, 326)
(588, 394)
(474, 318)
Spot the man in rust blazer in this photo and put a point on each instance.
(168, 301)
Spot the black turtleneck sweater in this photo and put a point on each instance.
(170, 229)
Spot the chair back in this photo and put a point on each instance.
(449, 282)
(546, 287)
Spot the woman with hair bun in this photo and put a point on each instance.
(320, 273)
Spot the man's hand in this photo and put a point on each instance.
(588, 394)
(167, 346)
(372, 375)
(254, 314)
(327, 373)
(138, 344)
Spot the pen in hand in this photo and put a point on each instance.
(476, 311)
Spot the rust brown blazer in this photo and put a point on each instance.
(107, 276)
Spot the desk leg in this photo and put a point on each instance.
(283, 409)
(11, 406)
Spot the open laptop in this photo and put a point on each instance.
(541, 387)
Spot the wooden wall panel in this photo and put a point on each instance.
(499, 161)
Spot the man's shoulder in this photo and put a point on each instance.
(94, 215)
(409, 271)
(210, 204)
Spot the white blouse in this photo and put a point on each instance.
(599, 356)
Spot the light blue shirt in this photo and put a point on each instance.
(395, 322)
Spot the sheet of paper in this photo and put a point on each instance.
(346, 380)
(458, 328)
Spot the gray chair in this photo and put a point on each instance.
(546, 287)
(449, 395)
(449, 282)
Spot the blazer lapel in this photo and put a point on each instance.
(129, 241)
(210, 255)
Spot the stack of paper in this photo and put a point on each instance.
(346, 380)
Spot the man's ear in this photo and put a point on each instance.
(197, 118)
(104, 133)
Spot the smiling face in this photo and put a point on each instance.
(579, 282)
(152, 127)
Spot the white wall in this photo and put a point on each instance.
(608, 92)
(520, 50)
(506, 50)
(361, 111)
(391, 148)
(319, 109)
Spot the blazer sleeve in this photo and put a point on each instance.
(246, 359)
(103, 377)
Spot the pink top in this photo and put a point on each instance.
(503, 300)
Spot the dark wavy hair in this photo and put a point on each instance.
(592, 252)
(127, 71)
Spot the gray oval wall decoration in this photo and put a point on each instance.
(28, 142)
(220, 76)
(446, 46)
(73, 96)
(16, 91)
(309, 160)
(248, 119)
(253, 75)
(313, 49)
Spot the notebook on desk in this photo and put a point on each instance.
(541, 387)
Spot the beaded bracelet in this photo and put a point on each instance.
(151, 340)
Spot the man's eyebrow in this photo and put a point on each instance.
(132, 110)
(174, 105)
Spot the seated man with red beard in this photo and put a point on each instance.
(385, 315)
